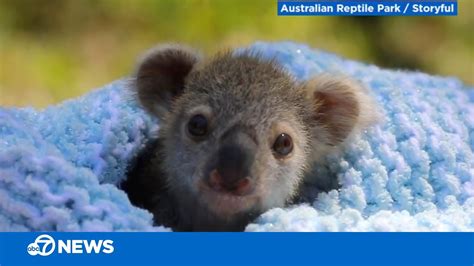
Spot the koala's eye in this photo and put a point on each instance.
(198, 126)
(283, 145)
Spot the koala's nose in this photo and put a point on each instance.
(232, 172)
(240, 187)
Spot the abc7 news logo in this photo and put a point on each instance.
(47, 244)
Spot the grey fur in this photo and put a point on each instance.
(235, 92)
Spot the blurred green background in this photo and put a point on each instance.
(51, 50)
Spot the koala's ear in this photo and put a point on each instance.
(340, 106)
(161, 74)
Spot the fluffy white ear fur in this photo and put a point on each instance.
(343, 108)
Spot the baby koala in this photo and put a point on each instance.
(237, 135)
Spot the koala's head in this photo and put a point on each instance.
(238, 131)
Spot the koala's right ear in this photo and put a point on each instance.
(161, 75)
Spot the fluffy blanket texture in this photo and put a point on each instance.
(414, 171)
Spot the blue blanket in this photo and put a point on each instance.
(413, 171)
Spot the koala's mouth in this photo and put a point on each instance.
(224, 203)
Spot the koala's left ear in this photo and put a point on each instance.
(161, 74)
(340, 106)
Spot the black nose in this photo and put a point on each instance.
(233, 165)
(231, 168)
